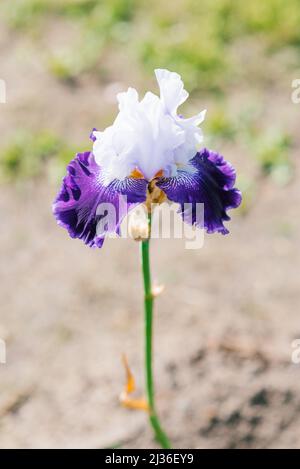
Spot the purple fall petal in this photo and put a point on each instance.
(210, 182)
(78, 204)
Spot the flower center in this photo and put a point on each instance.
(154, 195)
(137, 174)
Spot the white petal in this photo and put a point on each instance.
(128, 100)
(197, 119)
(148, 134)
(172, 92)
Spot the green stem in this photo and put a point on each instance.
(160, 435)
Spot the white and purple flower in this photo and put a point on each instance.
(149, 145)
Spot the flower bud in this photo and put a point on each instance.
(138, 227)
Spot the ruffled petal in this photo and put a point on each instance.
(172, 92)
(209, 180)
(83, 203)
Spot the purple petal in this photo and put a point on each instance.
(209, 182)
(81, 205)
(92, 136)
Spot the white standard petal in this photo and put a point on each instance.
(172, 92)
(193, 138)
(128, 100)
(112, 151)
(148, 135)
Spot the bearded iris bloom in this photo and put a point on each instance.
(149, 154)
(149, 149)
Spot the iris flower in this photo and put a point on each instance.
(149, 154)
(149, 149)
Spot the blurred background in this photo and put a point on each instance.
(230, 311)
